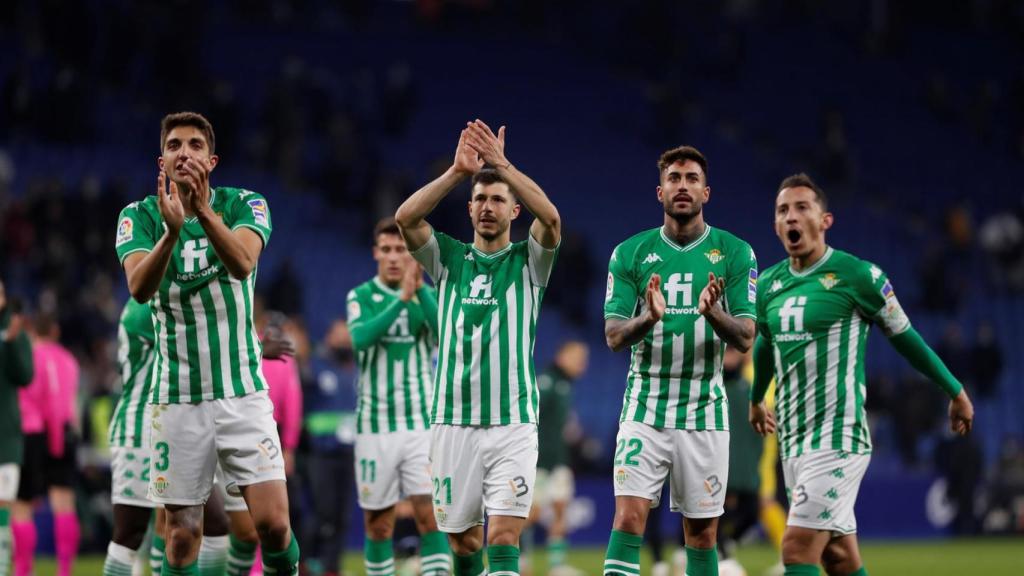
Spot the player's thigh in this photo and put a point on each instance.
(643, 457)
(10, 474)
(248, 446)
(563, 484)
(823, 488)
(510, 469)
(129, 476)
(377, 474)
(456, 470)
(700, 470)
(542, 489)
(414, 468)
(182, 458)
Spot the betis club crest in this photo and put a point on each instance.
(829, 281)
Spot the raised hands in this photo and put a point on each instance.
(711, 293)
(412, 281)
(489, 146)
(467, 160)
(198, 177)
(655, 299)
(168, 200)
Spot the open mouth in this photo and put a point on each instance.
(793, 236)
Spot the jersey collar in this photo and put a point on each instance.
(492, 254)
(384, 287)
(213, 195)
(688, 247)
(813, 267)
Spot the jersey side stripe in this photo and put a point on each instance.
(494, 386)
(515, 367)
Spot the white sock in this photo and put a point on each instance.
(213, 555)
(119, 561)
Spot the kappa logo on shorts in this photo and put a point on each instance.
(712, 486)
(160, 485)
(832, 494)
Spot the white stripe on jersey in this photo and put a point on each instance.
(850, 413)
(381, 362)
(474, 372)
(203, 337)
(243, 347)
(180, 343)
(699, 335)
(513, 353)
(831, 383)
(442, 372)
(164, 372)
(495, 353)
(634, 366)
(398, 377)
(716, 388)
(528, 308)
(460, 367)
(654, 382)
(223, 335)
(675, 381)
(810, 395)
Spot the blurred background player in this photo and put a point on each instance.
(193, 250)
(484, 451)
(16, 371)
(393, 319)
(555, 485)
(814, 311)
(49, 419)
(675, 419)
(330, 405)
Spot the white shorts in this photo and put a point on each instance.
(10, 475)
(478, 470)
(129, 476)
(232, 502)
(189, 440)
(392, 466)
(822, 488)
(696, 462)
(557, 485)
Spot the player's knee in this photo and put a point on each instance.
(506, 537)
(182, 538)
(466, 543)
(380, 529)
(630, 520)
(131, 539)
(274, 532)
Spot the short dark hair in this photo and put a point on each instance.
(194, 119)
(681, 154)
(802, 179)
(488, 176)
(386, 226)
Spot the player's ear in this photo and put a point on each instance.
(707, 194)
(214, 159)
(516, 208)
(660, 197)
(160, 162)
(827, 220)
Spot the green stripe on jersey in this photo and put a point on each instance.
(675, 374)
(206, 345)
(135, 358)
(395, 371)
(488, 306)
(817, 321)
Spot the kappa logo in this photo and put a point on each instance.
(715, 256)
(775, 287)
(480, 291)
(876, 273)
(469, 256)
(377, 298)
(651, 258)
(829, 281)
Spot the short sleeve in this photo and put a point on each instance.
(741, 283)
(761, 307)
(250, 210)
(136, 231)
(542, 261)
(876, 299)
(437, 253)
(622, 292)
(353, 308)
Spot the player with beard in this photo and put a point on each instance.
(484, 413)
(678, 295)
(814, 312)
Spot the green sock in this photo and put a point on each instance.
(435, 554)
(472, 565)
(119, 560)
(802, 570)
(862, 572)
(701, 561)
(213, 556)
(556, 552)
(5, 541)
(282, 562)
(190, 570)
(623, 555)
(241, 556)
(379, 556)
(156, 554)
(503, 560)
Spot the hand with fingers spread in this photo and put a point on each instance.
(198, 176)
(489, 146)
(467, 160)
(655, 299)
(168, 200)
(711, 294)
(762, 419)
(961, 414)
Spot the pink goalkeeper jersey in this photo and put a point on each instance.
(49, 402)
(282, 376)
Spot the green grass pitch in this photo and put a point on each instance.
(988, 557)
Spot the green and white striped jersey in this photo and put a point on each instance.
(395, 372)
(817, 321)
(675, 375)
(487, 319)
(205, 341)
(129, 426)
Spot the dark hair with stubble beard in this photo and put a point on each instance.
(488, 176)
(194, 119)
(801, 179)
(681, 155)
